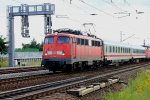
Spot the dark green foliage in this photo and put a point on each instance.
(33, 45)
(26, 50)
(3, 47)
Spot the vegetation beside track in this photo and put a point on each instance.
(137, 89)
(31, 63)
(3, 62)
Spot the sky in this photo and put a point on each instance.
(110, 19)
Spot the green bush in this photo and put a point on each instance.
(26, 50)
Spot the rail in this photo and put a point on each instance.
(32, 92)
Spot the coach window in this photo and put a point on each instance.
(49, 40)
(124, 50)
(134, 51)
(82, 41)
(113, 49)
(78, 41)
(106, 48)
(92, 43)
(120, 49)
(98, 44)
(116, 49)
(86, 42)
(95, 43)
(110, 49)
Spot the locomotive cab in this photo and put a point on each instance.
(57, 50)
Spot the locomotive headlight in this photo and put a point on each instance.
(45, 54)
(60, 53)
(48, 53)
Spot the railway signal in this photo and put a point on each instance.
(24, 11)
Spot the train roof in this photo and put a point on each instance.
(114, 43)
(73, 35)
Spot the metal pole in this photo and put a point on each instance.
(11, 40)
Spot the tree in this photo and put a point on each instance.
(33, 45)
(3, 47)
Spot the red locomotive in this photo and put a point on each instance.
(70, 49)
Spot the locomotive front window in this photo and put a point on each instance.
(63, 39)
(49, 40)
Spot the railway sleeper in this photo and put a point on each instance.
(83, 90)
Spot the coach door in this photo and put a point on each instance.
(73, 47)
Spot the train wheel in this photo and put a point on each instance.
(69, 68)
(117, 64)
(54, 71)
(80, 66)
(72, 68)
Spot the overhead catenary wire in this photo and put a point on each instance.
(97, 9)
(118, 8)
(124, 23)
(114, 5)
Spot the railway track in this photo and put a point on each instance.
(21, 80)
(19, 69)
(37, 91)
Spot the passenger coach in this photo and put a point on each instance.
(116, 53)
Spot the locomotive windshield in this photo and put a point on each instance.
(49, 40)
(63, 39)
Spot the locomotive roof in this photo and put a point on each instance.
(123, 45)
(72, 35)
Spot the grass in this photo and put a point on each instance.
(3, 62)
(137, 89)
(31, 63)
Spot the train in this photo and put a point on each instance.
(67, 50)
